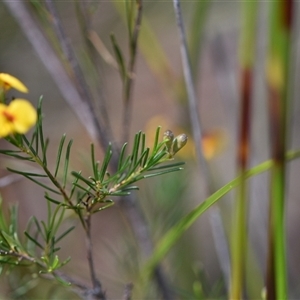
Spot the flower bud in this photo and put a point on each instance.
(168, 138)
(179, 142)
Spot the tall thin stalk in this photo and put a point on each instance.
(239, 226)
(278, 82)
(136, 9)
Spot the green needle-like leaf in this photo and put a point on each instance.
(119, 58)
(65, 233)
(35, 181)
(105, 163)
(79, 176)
(33, 240)
(67, 160)
(59, 152)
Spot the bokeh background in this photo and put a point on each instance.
(193, 266)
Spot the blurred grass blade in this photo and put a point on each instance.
(240, 216)
(278, 79)
(173, 235)
(200, 12)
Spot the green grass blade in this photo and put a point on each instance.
(173, 235)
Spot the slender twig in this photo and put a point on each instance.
(192, 99)
(85, 23)
(222, 248)
(128, 88)
(79, 78)
(97, 291)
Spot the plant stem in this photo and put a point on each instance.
(222, 248)
(239, 226)
(128, 85)
(278, 83)
(97, 291)
(192, 99)
(80, 82)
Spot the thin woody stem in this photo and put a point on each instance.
(97, 292)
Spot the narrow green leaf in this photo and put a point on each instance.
(142, 176)
(135, 150)
(33, 240)
(154, 150)
(51, 199)
(107, 157)
(37, 224)
(67, 160)
(13, 153)
(119, 58)
(33, 151)
(139, 161)
(27, 173)
(121, 157)
(88, 182)
(155, 159)
(59, 152)
(13, 219)
(65, 233)
(166, 166)
(144, 161)
(56, 221)
(94, 163)
(35, 181)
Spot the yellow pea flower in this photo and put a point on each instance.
(17, 117)
(7, 82)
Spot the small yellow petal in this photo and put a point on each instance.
(25, 115)
(6, 127)
(7, 81)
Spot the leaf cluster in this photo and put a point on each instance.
(83, 195)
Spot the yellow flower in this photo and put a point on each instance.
(17, 117)
(7, 82)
